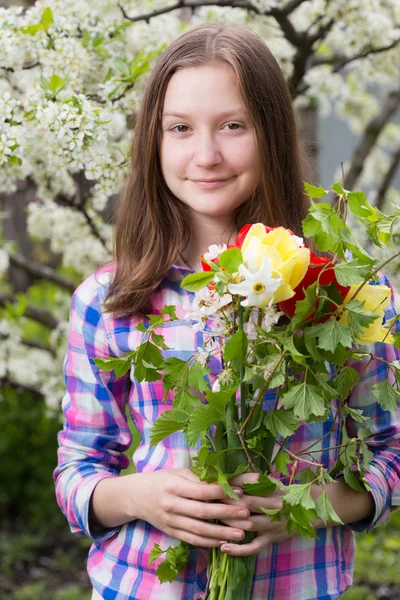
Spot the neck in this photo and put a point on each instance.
(206, 232)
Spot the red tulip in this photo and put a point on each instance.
(328, 276)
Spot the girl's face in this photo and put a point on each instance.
(207, 135)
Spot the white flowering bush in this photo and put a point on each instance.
(72, 74)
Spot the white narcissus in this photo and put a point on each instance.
(258, 287)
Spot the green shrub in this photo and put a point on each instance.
(28, 455)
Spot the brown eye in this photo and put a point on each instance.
(236, 125)
(173, 129)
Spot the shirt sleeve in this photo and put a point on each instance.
(384, 442)
(95, 433)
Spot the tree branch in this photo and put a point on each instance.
(42, 271)
(9, 383)
(38, 345)
(24, 67)
(341, 60)
(192, 5)
(370, 137)
(32, 312)
(390, 173)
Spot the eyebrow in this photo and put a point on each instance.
(227, 113)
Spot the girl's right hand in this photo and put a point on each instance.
(175, 501)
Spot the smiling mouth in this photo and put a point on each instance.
(210, 184)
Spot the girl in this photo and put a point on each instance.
(215, 147)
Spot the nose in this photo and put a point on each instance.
(207, 152)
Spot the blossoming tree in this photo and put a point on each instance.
(71, 79)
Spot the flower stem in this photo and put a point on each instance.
(243, 403)
(224, 571)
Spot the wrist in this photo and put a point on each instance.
(350, 506)
(111, 503)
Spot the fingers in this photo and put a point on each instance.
(239, 480)
(254, 503)
(198, 490)
(203, 529)
(252, 547)
(254, 523)
(203, 510)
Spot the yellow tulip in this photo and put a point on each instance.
(288, 261)
(375, 298)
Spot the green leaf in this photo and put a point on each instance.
(196, 376)
(159, 340)
(275, 513)
(338, 189)
(119, 365)
(306, 306)
(325, 511)
(174, 562)
(169, 310)
(168, 423)
(155, 553)
(346, 380)
(200, 422)
(305, 400)
(281, 422)
(288, 343)
(156, 321)
(145, 372)
(367, 456)
(236, 349)
(263, 487)
(231, 259)
(184, 401)
(337, 468)
(314, 192)
(196, 281)
(221, 398)
(151, 354)
(299, 493)
(351, 272)
(299, 521)
(226, 486)
(352, 480)
(354, 413)
(122, 67)
(358, 204)
(331, 334)
(358, 318)
(47, 18)
(85, 38)
(14, 160)
(55, 83)
(281, 461)
(387, 395)
(32, 29)
(176, 373)
(306, 475)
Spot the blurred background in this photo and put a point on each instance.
(72, 73)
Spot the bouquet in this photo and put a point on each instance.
(283, 319)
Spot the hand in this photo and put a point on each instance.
(175, 501)
(268, 532)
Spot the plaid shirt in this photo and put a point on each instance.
(96, 436)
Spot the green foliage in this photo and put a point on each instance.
(28, 456)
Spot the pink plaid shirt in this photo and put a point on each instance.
(96, 437)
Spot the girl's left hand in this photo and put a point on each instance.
(268, 532)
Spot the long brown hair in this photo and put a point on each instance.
(152, 225)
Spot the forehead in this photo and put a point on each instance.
(209, 88)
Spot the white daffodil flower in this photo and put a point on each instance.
(214, 251)
(258, 287)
